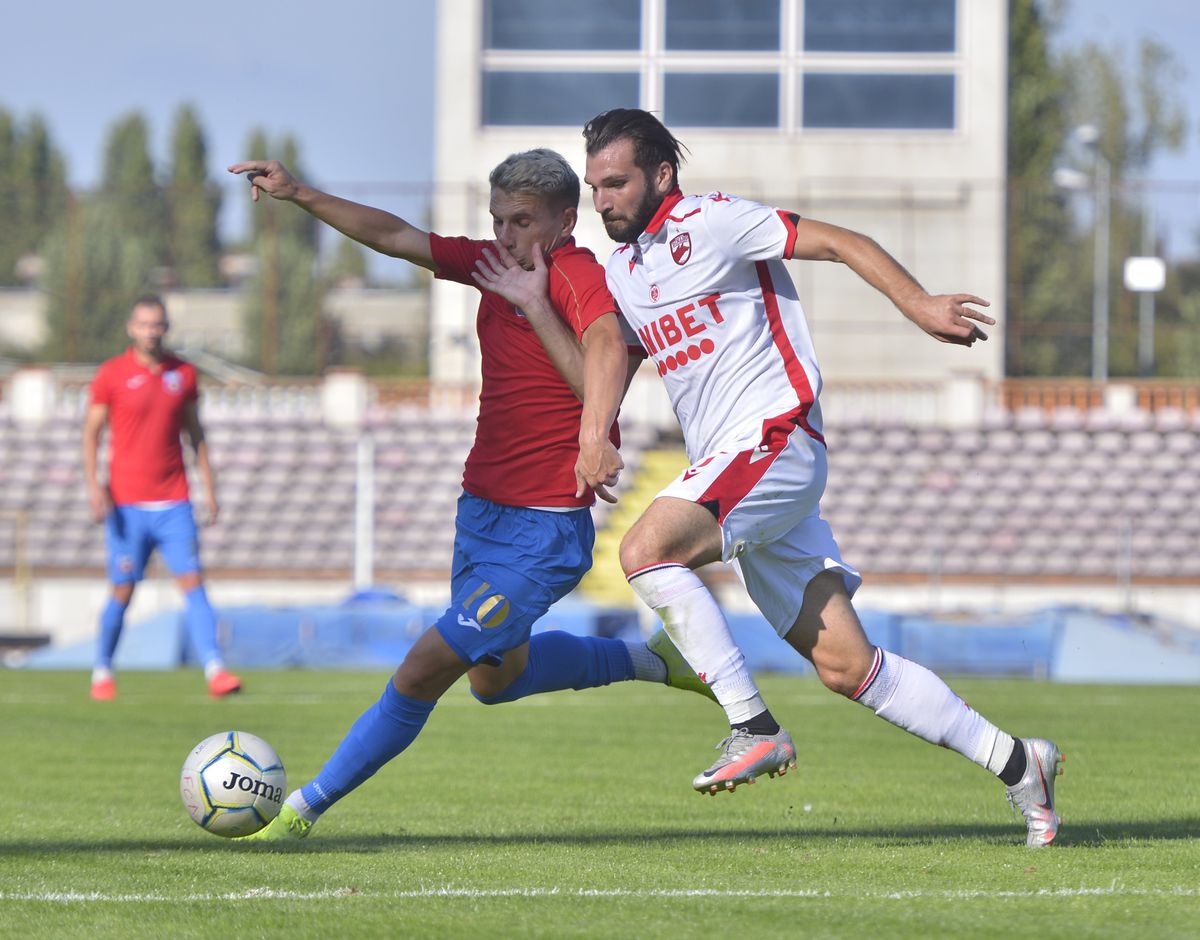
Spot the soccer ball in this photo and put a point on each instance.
(232, 783)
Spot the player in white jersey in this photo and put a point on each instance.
(701, 279)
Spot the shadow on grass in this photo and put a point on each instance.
(1081, 834)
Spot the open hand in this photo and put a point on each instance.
(212, 509)
(947, 319)
(499, 272)
(269, 176)
(99, 502)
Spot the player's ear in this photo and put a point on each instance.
(664, 178)
(570, 217)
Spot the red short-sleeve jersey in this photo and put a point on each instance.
(145, 418)
(527, 433)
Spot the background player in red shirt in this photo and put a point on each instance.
(147, 398)
(524, 529)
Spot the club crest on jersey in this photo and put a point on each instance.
(654, 293)
(172, 381)
(681, 247)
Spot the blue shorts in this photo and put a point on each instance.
(510, 565)
(132, 534)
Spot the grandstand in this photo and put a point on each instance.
(1090, 497)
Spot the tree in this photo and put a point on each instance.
(128, 184)
(283, 218)
(105, 250)
(284, 320)
(33, 190)
(95, 272)
(192, 204)
(10, 235)
(1042, 251)
(1137, 110)
(349, 264)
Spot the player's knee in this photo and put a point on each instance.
(415, 680)
(123, 593)
(189, 582)
(491, 695)
(840, 676)
(494, 685)
(638, 550)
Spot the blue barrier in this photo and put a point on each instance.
(375, 631)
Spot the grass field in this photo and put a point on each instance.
(571, 815)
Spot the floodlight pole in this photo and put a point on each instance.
(364, 511)
(1146, 303)
(1101, 176)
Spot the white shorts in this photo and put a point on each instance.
(767, 502)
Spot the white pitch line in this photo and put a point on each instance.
(272, 894)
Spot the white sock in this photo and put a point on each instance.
(297, 802)
(647, 666)
(100, 673)
(700, 632)
(913, 698)
(212, 667)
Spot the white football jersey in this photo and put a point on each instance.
(706, 290)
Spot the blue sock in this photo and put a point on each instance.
(381, 732)
(560, 660)
(112, 618)
(201, 622)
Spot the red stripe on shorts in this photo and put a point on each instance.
(736, 480)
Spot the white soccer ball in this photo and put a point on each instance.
(232, 783)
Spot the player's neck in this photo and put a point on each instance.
(151, 360)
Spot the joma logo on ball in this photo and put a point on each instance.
(237, 781)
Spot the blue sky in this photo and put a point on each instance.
(351, 80)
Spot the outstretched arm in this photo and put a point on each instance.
(378, 230)
(945, 317)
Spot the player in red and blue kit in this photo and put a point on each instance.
(147, 398)
(543, 446)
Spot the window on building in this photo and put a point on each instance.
(719, 24)
(849, 64)
(705, 99)
(562, 24)
(833, 99)
(879, 25)
(548, 99)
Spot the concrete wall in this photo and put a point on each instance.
(212, 319)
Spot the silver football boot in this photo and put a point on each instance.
(1034, 795)
(745, 756)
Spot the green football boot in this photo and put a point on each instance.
(288, 827)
